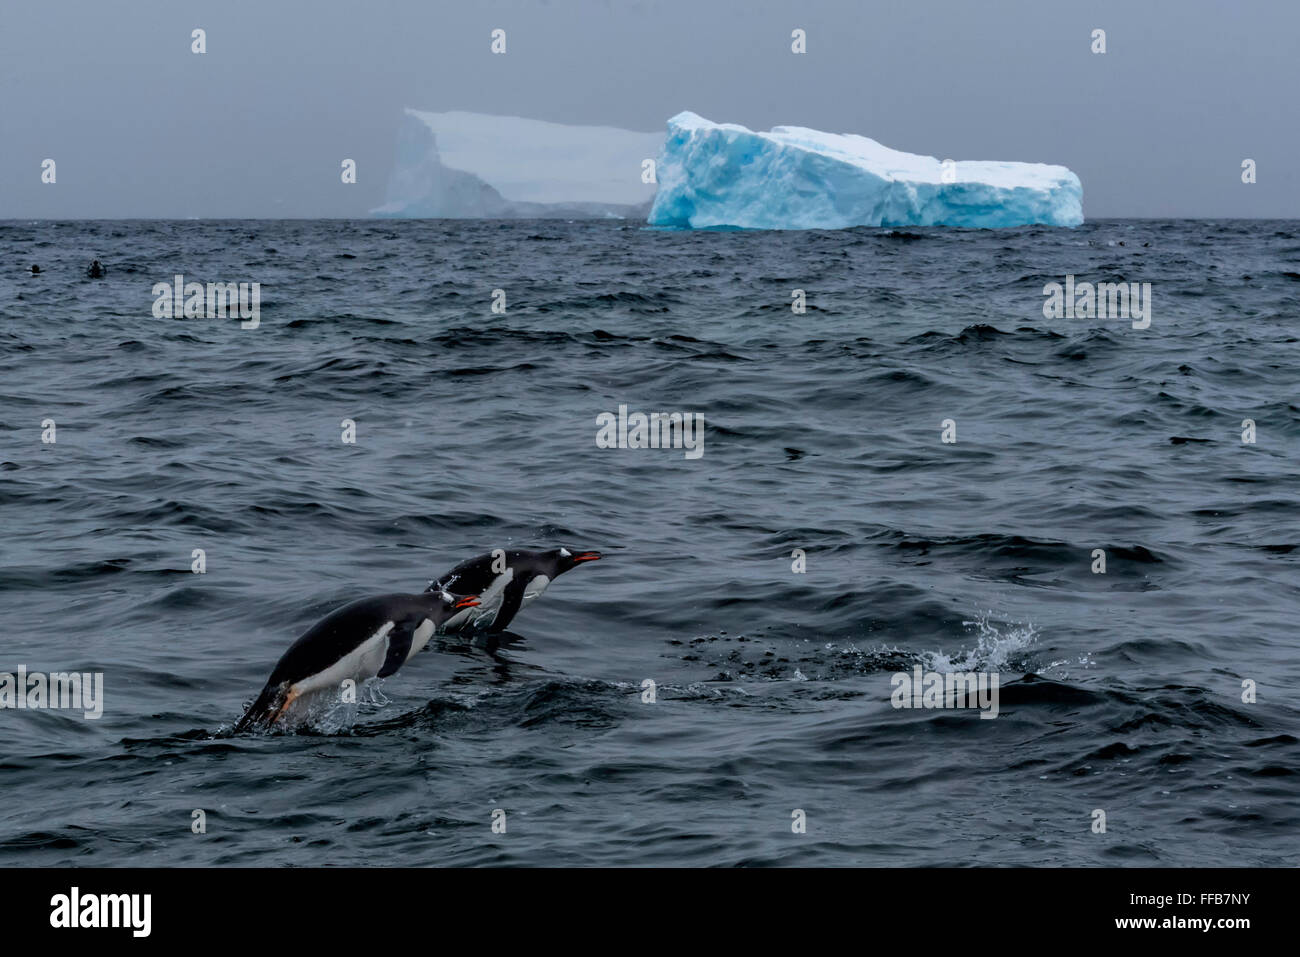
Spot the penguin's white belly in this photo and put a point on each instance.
(489, 604)
(459, 620)
(362, 662)
(534, 589)
(420, 637)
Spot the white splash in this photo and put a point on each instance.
(998, 647)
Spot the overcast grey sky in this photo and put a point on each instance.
(141, 127)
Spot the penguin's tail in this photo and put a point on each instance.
(264, 711)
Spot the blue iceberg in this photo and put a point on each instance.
(724, 175)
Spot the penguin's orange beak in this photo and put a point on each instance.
(468, 602)
(586, 557)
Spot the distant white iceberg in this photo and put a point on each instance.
(471, 165)
(720, 174)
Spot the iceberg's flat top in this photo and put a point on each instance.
(723, 174)
(866, 153)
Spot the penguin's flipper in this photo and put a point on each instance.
(268, 707)
(399, 648)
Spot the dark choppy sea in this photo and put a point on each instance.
(1120, 692)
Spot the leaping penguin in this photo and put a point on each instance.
(367, 638)
(505, 581)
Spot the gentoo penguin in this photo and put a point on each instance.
(367, 638)
(505, 581)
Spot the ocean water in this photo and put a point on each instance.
(1120, 691)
